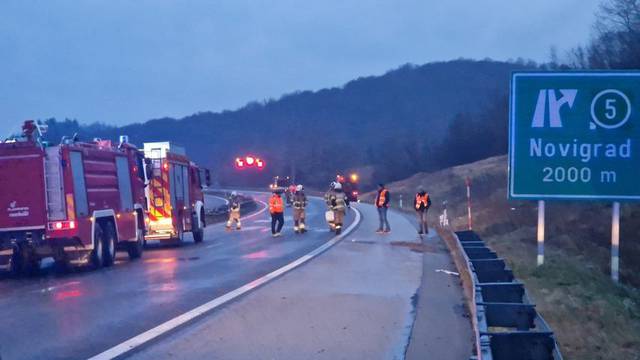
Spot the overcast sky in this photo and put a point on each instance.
(123, 61)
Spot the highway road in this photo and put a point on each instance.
(80, 314)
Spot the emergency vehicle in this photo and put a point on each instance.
(349, 186)
(78, 202)
(174, 195)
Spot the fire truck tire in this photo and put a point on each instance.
(23, 262)
(109, 245)
(198, 233)
(97, 255)
(135, 248)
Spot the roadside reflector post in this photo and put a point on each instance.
(468, 184)
(400, 201)
(615, 241)
(540, 232)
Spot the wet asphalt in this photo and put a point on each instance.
(80, 313)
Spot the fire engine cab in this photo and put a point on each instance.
(77, 202)
(174, 194)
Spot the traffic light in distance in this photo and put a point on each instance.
(260, 163)
(250, 160)
(240, 163)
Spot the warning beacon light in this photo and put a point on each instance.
(249, 162)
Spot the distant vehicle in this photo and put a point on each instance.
(350, 186)
(175, 198)
(78, 202)
(281, 182)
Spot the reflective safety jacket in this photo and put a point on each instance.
(422, 202)
(234, 203)
(276, 204)
(299, 200)
(382, 200)
(327, 197)
(338, 201)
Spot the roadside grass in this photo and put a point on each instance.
(592, 317)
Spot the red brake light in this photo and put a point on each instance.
(62, 225)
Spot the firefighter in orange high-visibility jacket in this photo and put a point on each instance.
(276, 209)
(234, 211)
(422, 203)
(299, 205)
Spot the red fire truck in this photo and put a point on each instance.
(174, 194)
(77, 202)
(80, 202)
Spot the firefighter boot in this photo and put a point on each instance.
(228, 227)
(303, 229)
(296, 227)
(238, 225)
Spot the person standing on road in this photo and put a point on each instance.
(339, 203)
(382, 203)
(234, 211)
(299, 205)
(422, 203)
(327, 199)
(276, 208)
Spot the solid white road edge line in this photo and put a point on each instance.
(136, 341)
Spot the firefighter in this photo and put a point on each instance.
(382, 203)
(327, 199)
(299, 205)
(422, 203)
(339, 203)
(276, 209)
(234, 211)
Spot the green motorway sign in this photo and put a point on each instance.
(575, 135)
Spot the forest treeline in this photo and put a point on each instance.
(411, 119)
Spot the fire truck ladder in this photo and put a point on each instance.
(53, 183)
(157, 186)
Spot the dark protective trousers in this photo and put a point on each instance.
(382, 216)
(423, 226)
(277, 218)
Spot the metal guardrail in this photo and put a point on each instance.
(245, 200)
(508, 325)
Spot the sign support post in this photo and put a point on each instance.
(468, 183)
(540, 232)
(615, 241)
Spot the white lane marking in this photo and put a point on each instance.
(167, 326)
(264, 208)
(226, 202)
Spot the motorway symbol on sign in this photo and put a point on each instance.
(575, 135)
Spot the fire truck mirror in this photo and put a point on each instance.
(207, 177)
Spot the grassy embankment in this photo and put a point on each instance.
(592, 317)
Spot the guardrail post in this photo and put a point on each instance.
(468, 183)
(540, 232)
(615, 241)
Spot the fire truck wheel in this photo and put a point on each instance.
(135, 248)
(97, 255)
(23, 262)
(198, 233)
(109, 244)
